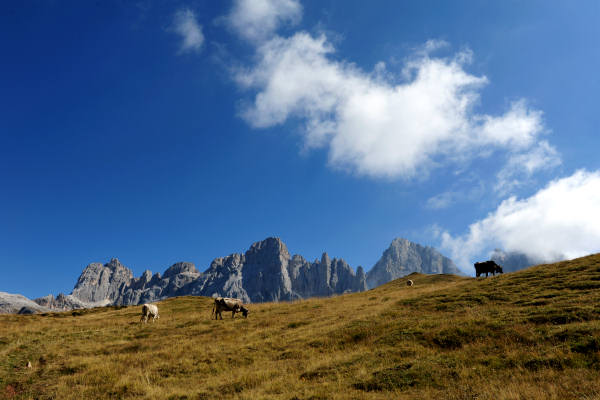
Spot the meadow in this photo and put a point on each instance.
(533, 334)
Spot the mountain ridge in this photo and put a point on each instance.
(236, 275)
(267, 271)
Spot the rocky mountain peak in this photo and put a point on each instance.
(271, 246)
(180, 268)
(325, 260)
(403, 257)
(265, 271)
(360, 272)
(115, 264)
(99, 282)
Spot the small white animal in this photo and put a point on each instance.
(149, 310)
(409, 282)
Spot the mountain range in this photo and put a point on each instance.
(265, 272)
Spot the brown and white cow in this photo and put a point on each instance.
(149, 310)
(228, 304)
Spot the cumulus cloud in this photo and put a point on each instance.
(186, 25)
(372, 124)
(518, 128)
(255, 20)
(560, 219)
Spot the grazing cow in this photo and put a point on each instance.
(149, 310)
(228, 304)
(487, 267)
(409, 282)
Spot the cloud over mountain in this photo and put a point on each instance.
(560, 220)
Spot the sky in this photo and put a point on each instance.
(166, 131)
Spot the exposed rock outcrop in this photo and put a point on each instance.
(64, 302)
(404, 257)
(149, 288)
(325, 277)
(265, 274)
(98, 283)
(15, 303)
(223, 278)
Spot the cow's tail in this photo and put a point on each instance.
(212, 312)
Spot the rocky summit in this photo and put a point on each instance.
(265, 272)
(404, 257)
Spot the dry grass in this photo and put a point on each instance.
(533, 334)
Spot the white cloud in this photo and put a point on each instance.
(186, 25)
(521, 166)
(373, 125)
(451, 197)
(517, 128)
(255, 20)
(561, 219)
(442, 200)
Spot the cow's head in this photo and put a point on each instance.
(244, 311)
(498, 269)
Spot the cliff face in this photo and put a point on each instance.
(266, 272)
(325, 277)
(98, 282)
(148, 288)
(404, 257)
(223, 278)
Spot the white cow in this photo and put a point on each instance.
(149, 310)
(409, 282)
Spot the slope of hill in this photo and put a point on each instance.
(532, 334)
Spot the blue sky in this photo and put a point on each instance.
(159, 132)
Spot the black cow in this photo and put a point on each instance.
(487, 267)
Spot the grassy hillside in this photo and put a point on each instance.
(533, 334)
